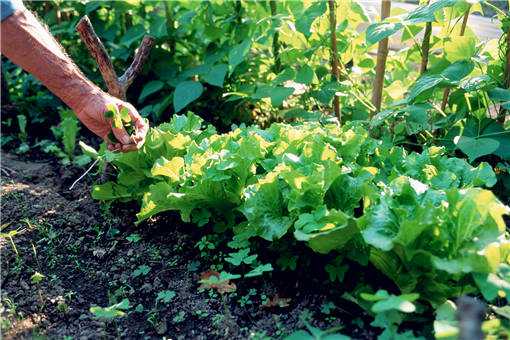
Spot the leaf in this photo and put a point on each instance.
(500, 95)
(385, 302)
(424, 83)
(165, 296)
(132, 35)
(460, 48)
(476, 147)
(381, 30)
(242, 256)
(22, 124)
(185, 93)
(264, 209)
(382, 227)
(111, 312)
(305, 20)
(425, 13)
(150, 88)
(277, 93)
(142, 270)
(70, 130)
(169, 168)
(258, 271)
(305, 75)
(158, 26)
(218, 281)
(37, 277)
(458, 70)
(238, 53)
(109, 191)
(324, 229)
(216, 75)
(277, 301)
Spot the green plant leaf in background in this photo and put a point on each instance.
(185, 93)
(305, 20)
(305, 75)
(380, 30)
(476, 147)
(132, 35)
(238, 53)
(425, 13)
(216, 75)
(277, 93)
(460, 48)
(70, 130)
(423, 84)
(111, 312)
(150, 88)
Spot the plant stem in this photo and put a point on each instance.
(170, 24)
(334, 56)
(239, 9)
(446, 92)
(382, 54)
(425, 47)
(503, 112)
(276, 41)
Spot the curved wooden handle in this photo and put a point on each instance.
(117, 86)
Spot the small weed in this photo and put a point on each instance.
(201, 314)
(165, 296)
(133, 238)
(246, 299)
(141, 271)
(327, 307)
(205, 245)
(111, 312)
(217, 320)
(193, 266)
(179, 317)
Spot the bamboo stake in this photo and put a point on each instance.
(503, 112)
(382, 55)
(425, 47)
(334, 56)
(276, 41)
(170, 26)
(446, 91)
(117, 86)
(507, 68)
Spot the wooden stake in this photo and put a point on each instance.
(503, 112)
(446, 91)
(382, 55)
(425, 47)
(276, 41)
(334, 56)
(117, 86)
(507, 68)
(170, 23)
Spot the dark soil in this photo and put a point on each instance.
(84, 251)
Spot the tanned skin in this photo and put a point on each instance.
(27, 43)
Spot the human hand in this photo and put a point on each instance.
(92, 114)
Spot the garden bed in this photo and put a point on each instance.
(84, 254)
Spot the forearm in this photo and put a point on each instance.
(28, 44)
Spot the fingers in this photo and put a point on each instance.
(122, 135)
(141, 125)
(126, 142)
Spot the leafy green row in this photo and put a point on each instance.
(421, 219)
